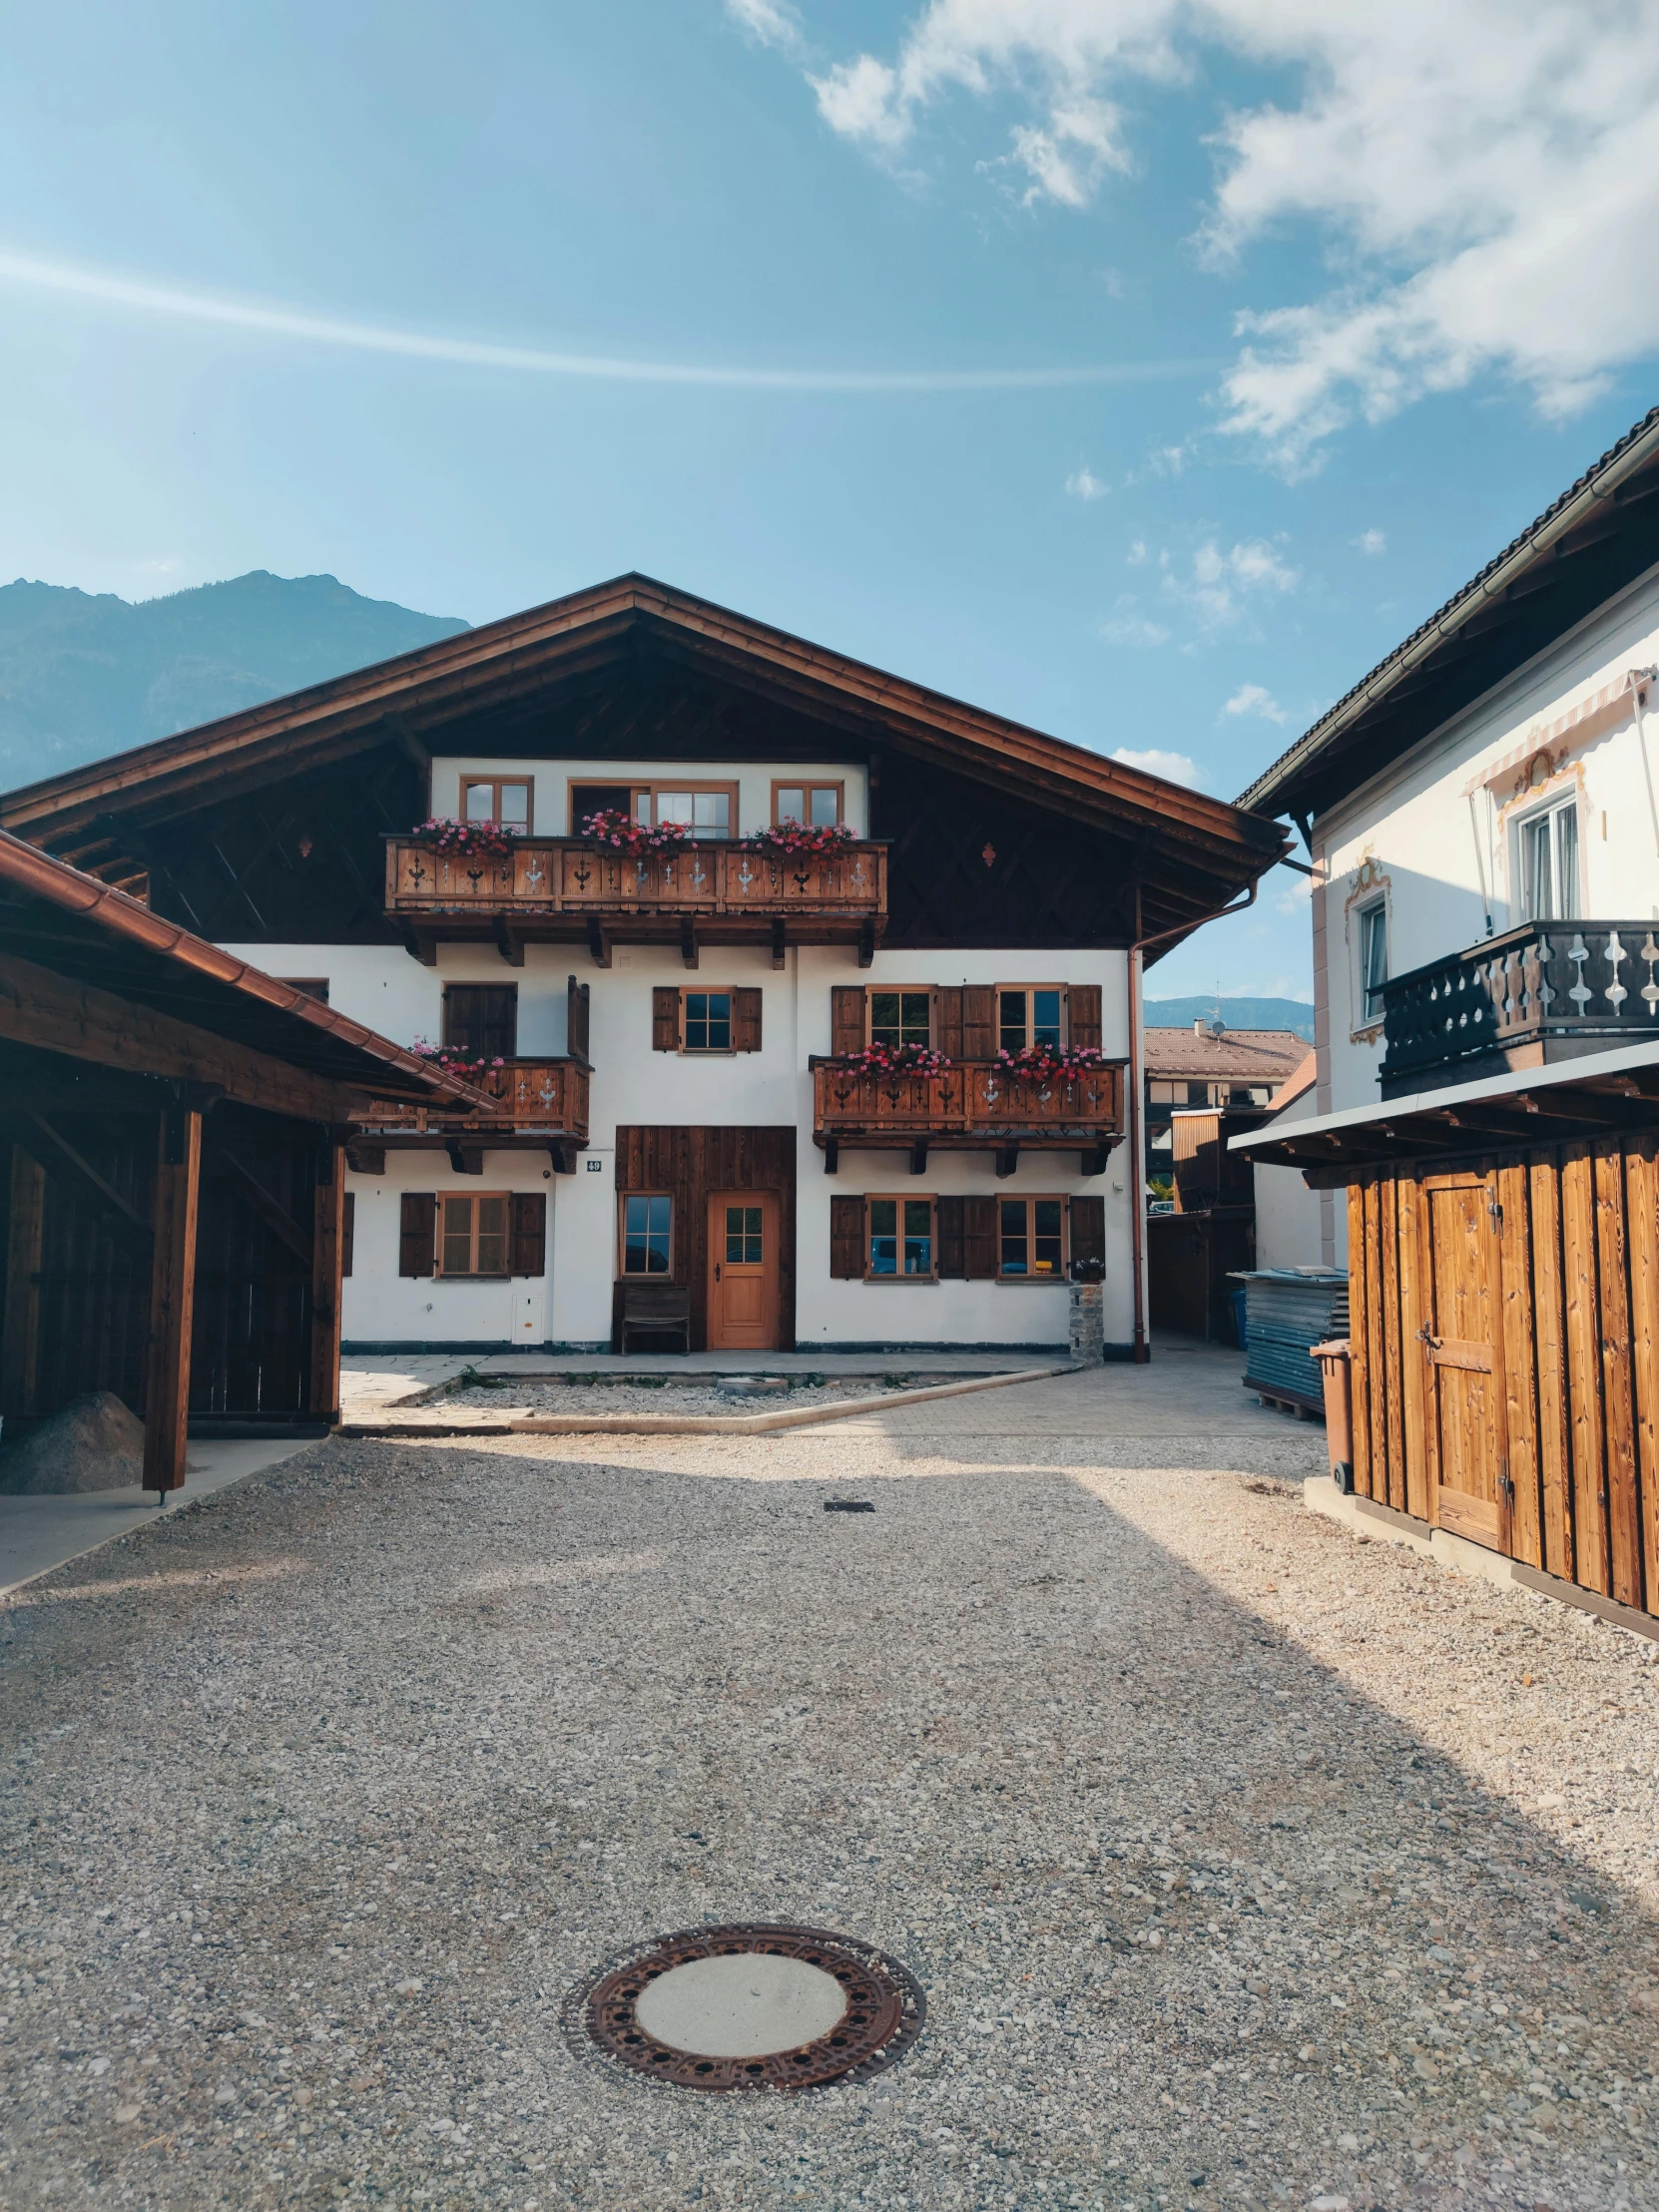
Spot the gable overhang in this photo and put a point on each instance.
(1198, 852)
(1597, 538)
(56, 919)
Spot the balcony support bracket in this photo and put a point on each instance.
(599, 945)
(562, 1153)
(866, 943)
(421, 945)
(464, 1159)
(366, 1159)
(687, 941)
(1008, 1159)
(778, 941)
(831, 1155)
(918, 1157)
(508, 942)
(1093, 1161)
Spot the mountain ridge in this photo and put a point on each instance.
(84, 675)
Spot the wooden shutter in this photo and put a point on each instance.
(979, 1023)
(529, 1233)
(576, 1019)
(979, 1238)
(665, 1018)
(418, 1233)
(947, 1021)
(745, 1019)
(846, 1236)
(1088, 1232)
(481, 1018)
(847, 1021)
(952, 1249)
(1083, 1008)
(347, 1232)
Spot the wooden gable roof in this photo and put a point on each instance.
(502, 687)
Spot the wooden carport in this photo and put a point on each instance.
(171, 1123)
(1503, 1295)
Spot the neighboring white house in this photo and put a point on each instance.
(1481, 816)
(1288, 1213)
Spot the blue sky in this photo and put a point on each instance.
(1139, 368)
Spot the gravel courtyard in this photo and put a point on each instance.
(1244, 1863)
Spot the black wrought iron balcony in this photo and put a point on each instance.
(1544, 991)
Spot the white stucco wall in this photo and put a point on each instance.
(1286, 1211)
(391, 991)
(1434, 834)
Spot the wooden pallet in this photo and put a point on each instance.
(1280, 1400)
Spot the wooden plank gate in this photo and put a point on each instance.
(1505, 1354)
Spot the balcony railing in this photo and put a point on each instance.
(539, 1099)
(563, 887)
(974, 1106)
(1559, 986)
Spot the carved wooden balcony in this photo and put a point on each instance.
(535, 1105)
(974, 1106)
(1549, 990)
(564, 889)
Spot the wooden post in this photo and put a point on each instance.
(21, 1316)
(328, 1255)
(172, 1299)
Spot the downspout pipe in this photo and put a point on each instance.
(1141, 1351)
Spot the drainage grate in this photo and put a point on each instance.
(735, 2028)
(848, 1506)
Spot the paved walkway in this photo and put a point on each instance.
(1243, 1865)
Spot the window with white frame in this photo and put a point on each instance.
(1546, 851)
(1374, 958)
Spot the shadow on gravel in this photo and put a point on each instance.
(302, 1865)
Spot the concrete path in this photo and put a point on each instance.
(39, 1533)
(1245, 1866)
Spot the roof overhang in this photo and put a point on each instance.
(1205, 850)
(53, 917)
(1600, 535)
(1597, 1096)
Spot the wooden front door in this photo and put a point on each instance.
(1463, 1339)
(743, 1271)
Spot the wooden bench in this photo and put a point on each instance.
(656, 1308)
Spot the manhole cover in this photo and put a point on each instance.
(752, 2007)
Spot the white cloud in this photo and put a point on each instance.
(767, 21)
(1128, 626)
(1218, 586)
(1086, 485)
(1136, 555)
(1174, 767)
(1370, 541)
(1254, 698)
(1479, 175)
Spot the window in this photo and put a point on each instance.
(1030, 1237)
(1029, 1015)
(814, 806)
(1549, 864)
(502, 799)
(708, 1021)
(472, 1234)
(902, 1018)
(744, 1238)
(314, 986)
(481, 1019)
(1373, 958)
(647, 1234)
(707, 809)
(1198, 1094)
(901, 1237)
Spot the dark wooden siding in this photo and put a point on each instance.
(689, 1163)
(1577, 1253)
